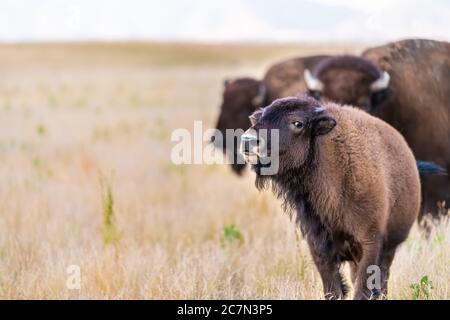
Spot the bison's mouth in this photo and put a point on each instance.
(256, 155)
(256, 159)
(251, 157)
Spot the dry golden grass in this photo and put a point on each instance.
(76, 120)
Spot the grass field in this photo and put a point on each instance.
(86, 180)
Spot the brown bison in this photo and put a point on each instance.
(242, 96)
(351, 178)
(406, 84)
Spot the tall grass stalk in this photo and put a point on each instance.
(109, 231)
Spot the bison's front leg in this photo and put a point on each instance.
(323, 252)
(371, 257)
(327, 263)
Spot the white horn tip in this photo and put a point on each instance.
(312, 83)
(381, 83)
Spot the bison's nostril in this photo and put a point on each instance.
(249, 139)
(248, 143)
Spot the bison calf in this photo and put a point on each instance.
(352, 180)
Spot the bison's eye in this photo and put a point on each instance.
(297, 125)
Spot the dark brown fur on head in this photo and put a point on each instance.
(347, 79)
(296, 146)
(348, 62)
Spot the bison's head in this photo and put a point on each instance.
(298, 121)
(241, 97)
(348, 80)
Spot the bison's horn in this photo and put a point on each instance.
(381, 83)
(312, 83)
(258, 100)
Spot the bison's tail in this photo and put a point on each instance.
(429, 168)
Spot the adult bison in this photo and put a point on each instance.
(351, 178)
(405, 83)
(242, 96)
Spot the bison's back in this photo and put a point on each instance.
(285, 79)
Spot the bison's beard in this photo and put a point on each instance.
(261, 182)
(259, 166)
(283, 185)
(280, 188)
(291, 182)
(238, 169)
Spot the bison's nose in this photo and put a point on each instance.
(249, 143)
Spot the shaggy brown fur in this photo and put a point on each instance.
(281, 80)
(416, 102)
(419, 107)
(353, 182)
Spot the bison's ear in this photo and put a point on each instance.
(226, 82)
(323, 125)
(254, 117)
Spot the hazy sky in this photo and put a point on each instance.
(230, 20)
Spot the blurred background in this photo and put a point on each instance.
(217, 21)
(90, 92)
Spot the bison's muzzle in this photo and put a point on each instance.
(250, 146)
